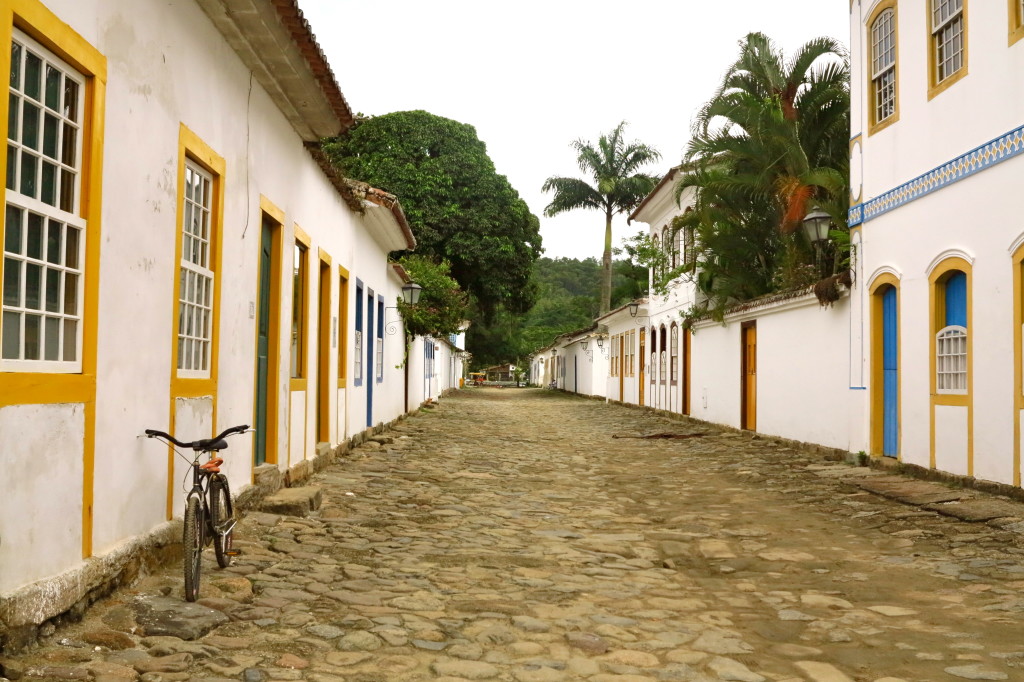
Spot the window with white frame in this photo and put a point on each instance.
(379, 349)
(689, 247)
(947, 37)
(951, 339)
(674, 369)
(951, 360)
(357, 343)
(44, 237)
(195, 280)
(883, 64)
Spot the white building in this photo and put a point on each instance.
(936, 167)
(176, 257)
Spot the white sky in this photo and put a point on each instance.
(533, 76)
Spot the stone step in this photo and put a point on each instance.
(293, 501)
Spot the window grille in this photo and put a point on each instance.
(675, 354)
(195, 281)
(883, 64)
(947, 37)
(951, 360)
(43, 236)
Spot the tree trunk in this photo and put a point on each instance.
(606, 266)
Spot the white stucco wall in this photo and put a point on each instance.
(41, 507)
(167, 67)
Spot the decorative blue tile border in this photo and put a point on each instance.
(989, 154)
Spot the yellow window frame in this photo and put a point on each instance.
(300, 307)
(1016, 21)
(875, 125)
(935, 87)
(27, 388)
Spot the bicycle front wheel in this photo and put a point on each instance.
(192, 547)
(222, 520)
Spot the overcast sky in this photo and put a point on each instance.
(533, 76)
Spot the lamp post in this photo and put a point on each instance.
(634, 308)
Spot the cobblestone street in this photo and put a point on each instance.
(528, 536)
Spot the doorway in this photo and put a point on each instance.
(748, 372)
(323, 353)
(267, 341)
(643, 364)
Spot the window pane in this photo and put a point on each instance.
(28, 175)
(70, 294)
(12, 282)
(70, 100)
(52, 88)
(33, 330)
(52, 342)
(12, 230)
(12, 167)
(53, 242)
(71, 248)
(50, 127)
(12, 336)
(52, 290)
(67, 191)
(68, 148)
(30, 126)
(70, 340)
(13, 109)
(33, 286)
(15, 66)
(33, 75)
(48, 184)
(35, 236)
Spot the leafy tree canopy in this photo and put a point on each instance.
(443, 306)
(460, 209)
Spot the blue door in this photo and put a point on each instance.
(890, 376)
(370, 366)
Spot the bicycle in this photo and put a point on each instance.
(209, 514)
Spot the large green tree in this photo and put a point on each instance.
(460, 209)
(766, 148)
(617, 187)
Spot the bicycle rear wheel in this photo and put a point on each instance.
(222, 518)
(192, 547)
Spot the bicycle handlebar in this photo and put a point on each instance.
(202, 444)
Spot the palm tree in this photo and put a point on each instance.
(771, 143)
(617, 187)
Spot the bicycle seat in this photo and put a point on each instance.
(210, 445)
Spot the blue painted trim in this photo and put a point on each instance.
(978, 159)
(858, 388)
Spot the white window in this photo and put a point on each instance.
(689, 247)
(951, 360)
(883, 64)
(195, 295)
(44, 237)
(947, 37)
(675, 353)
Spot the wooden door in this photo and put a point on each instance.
(890, 376)
(749, 374)
(618, 361)
(643, 360)
(264, 420)
(323, 345)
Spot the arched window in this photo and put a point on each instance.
(662, 369)
(883, 65)
(674, 362)
(654, 355)
(951, 339)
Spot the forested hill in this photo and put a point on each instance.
(568, 298)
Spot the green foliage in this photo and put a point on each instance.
(460, 209)
(769, 146)
(567, 301)
(443, 307)
(617, 186)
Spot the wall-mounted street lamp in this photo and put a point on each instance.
(816, 225)
(590, 354)
(634, 308)
(411, 296)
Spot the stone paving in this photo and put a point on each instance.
(528, 536)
